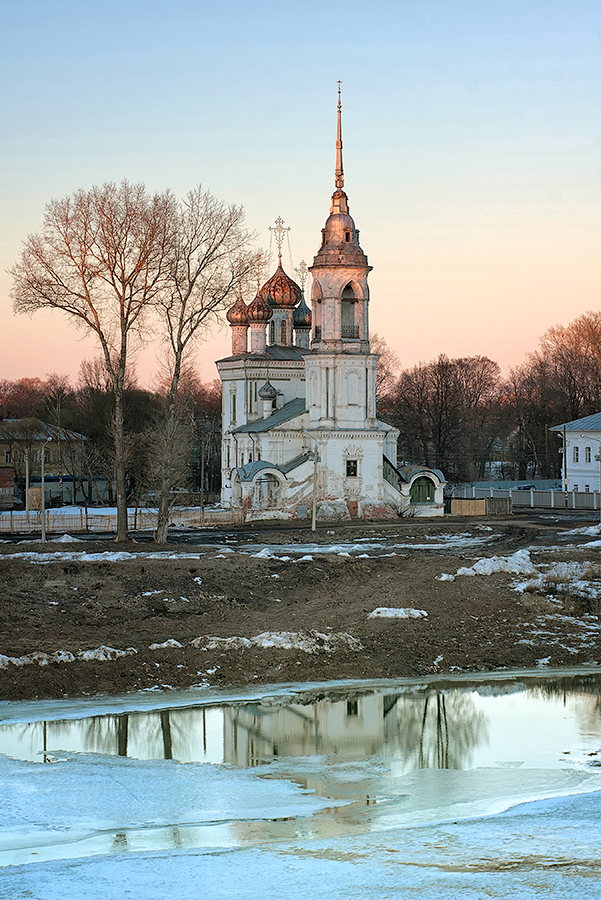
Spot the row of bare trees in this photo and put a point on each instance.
(460, 415)
(87, 408)
(129, 266)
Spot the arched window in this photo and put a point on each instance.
(575, 454)
(422, 490)
(272, 333)
(283, 333)
(347, 317)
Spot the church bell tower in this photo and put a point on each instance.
(341, 370)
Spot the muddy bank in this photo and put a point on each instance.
(97, 595)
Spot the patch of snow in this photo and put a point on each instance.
(589, 529)
(284, 640)
(66, 539)
(306, 558)
(446, 576)
(104, 654)
(166, 645)
(218, 643)
(62, 656)
(388, 612)
(517, 564)
(308, 642)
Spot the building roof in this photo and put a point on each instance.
(588, 423)
(290, 410)
(295, 463)
(248, 472)
(408, 472)
(35, 431)
(274, 351)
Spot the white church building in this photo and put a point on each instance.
(299, 395)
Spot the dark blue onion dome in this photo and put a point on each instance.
(301, 317)
(280, 290)
(267, 392)
(238, 313)
(258, 310)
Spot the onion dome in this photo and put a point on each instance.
(238, 313)
(301, 317)
(267, 392)
(258, 310)
(281, 290)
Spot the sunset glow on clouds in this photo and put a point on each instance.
(472, 150)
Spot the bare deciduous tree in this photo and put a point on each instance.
(210, 258)
(446, 412)
(102, 258)
(387, 366)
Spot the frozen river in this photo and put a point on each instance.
(464, 788)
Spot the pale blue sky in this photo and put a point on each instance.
(472, 143)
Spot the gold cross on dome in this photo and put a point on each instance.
(279, 233)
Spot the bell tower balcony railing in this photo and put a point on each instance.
(347, 333)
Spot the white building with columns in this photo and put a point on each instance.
(299, 397)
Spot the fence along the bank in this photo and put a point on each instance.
(549, 499)
(20, 522)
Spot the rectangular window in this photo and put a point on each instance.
(8, 456)
(587, 454)
(35, 456)
(47, 456)
(575, 488)
(233, 407)
(351, 468)
(352, 707)
(21, 456)
(587, 488)
(575, 454)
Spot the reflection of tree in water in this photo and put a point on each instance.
(156, 733)
(435, 730)
(583, 691)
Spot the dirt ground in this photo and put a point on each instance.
(472, 624)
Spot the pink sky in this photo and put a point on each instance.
(472, 151)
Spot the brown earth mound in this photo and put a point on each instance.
(201, 592)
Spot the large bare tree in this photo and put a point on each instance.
(211, 258)
(102, 257)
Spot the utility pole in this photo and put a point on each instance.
(315, 461)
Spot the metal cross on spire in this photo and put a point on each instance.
(279, 233)
(339, 175)
(302, 272)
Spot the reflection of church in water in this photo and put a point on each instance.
(306, 386)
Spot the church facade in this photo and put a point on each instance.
(299, 395)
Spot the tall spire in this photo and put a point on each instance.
(339, 175)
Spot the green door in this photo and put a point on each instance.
(422, 491)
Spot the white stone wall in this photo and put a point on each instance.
(582, 473)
